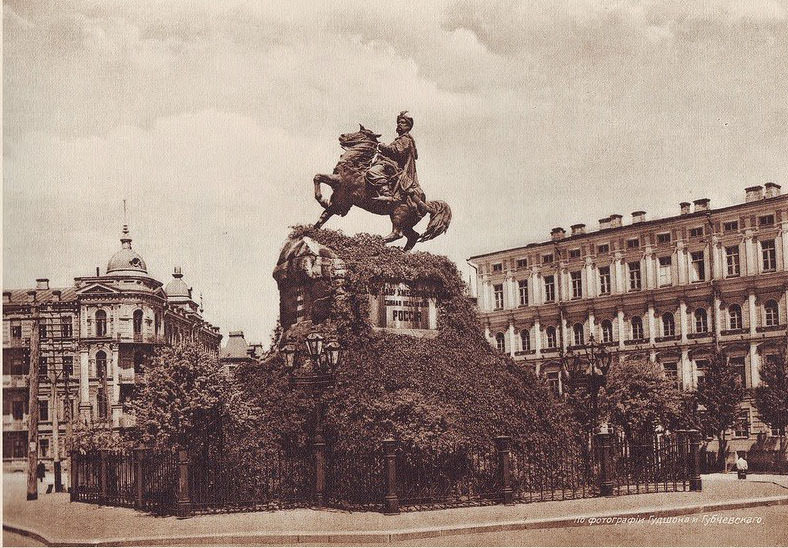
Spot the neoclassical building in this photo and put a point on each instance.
(668, 289)
(95, 337)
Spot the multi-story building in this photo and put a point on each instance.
(238, 352)
(95, 337)
(668, 289)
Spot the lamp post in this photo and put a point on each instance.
(323, 360)
(591, 369)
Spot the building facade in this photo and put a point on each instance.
(669, 289)
(95, 338)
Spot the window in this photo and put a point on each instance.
(139, 362)
(734, 317)
(522, 263)
(16, 331)
(156, 324)
(633, 243)
(663, 238)
(741, 429)
(672, 372)
(637, 328)
(547, 259)
(577, 284)
(525, 340)
(43, 448)
(634, 275)
(766, 220)
(698, 268)
(574, 253)
(42, 331)
(668, 325)
(769, 256)
(101, 323)
(730, 226)
(551, 338)
(554, 382)
(696, 232)
(737, 363)
(68, 366)
(498, 292)
(771, 313)
(665, 276)
(701, 321)
(500, 342)
(137, 321)
(101, 401)
(101, 364)
(66, 327)
(577, 331)
(18, 409)
(43, 367)
(497, 267)
(549, 289)
(522, 287)
(603, 248)
(700, 371)
(607, 331)
(604, 280)
(732, 260)
(43, 410)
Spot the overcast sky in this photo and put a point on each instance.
(212, 118)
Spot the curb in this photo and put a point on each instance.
(386, 537)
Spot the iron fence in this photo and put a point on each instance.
(659, 466)
(570, 472)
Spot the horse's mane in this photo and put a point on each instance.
(359, 155)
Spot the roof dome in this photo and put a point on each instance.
(177, 287)
(126, 261)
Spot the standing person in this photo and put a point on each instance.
(741, 466)
(41, 471)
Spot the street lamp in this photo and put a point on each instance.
(591, 371)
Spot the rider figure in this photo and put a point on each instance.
(401, 151)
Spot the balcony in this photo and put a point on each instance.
(740, 331)
(702, 335)
(667, 338)
(770, 328)
(525, 352)
(633, 342)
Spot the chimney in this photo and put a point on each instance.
(604, 223)
(578, 229)
(6, 296)
(42, 283)
(701, 204)
(97, 272)
(772, 190)
(57, 294)
(685, 208)
(237, 334)
(558, 233)
(638, 216)
(615, 220)
(753, 193)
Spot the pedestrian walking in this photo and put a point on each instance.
(41, 471)
(741, 467)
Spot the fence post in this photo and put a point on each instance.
(103, 475)
(391, 501)
(504, 467)
(319, 445)
(682, 449)
(183, 502)
(695, 483)
(74, 476)
(138, 455)
(604, 445)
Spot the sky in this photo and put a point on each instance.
(211, 118)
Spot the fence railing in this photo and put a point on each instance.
(389, 479)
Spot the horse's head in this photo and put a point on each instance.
(360, 137)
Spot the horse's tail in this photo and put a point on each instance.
(440, 218)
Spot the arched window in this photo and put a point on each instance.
(137, 322)
(101, 364)
(637, 327)
(607, 331)
(101, 323)
(701, 321)
(156, 324)
(668, 325)
(500, 342)
(771, 313)
(734, 317)
(525, 340)
(577, 331)
(551, 339)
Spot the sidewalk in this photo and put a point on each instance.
(54, 520)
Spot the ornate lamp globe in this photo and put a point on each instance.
(332, 351)
(314, 343)
(289, 350)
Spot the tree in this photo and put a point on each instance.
(185, 399)
(771, 397)
(639, 398)
(719, 396)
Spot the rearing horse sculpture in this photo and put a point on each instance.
(350, 188)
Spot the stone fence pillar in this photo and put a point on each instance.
(391, 501)
(502, 444)
(183, 499)
(695, 483)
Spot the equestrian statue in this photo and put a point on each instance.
(382, 179)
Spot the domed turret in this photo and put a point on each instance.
(177, 288)
(126, 261)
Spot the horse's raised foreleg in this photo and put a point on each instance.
(330, 180)
(326, 215)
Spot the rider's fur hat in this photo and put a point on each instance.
(404, 116)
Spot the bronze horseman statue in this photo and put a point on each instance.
(382, 179)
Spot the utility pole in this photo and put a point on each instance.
(32, 416)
